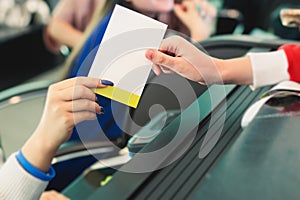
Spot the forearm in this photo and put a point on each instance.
(257, 69)
(38, 151)
(64, 33)
(235, 71)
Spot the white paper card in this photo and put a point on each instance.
(121, 54)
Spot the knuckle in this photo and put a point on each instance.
(78, 79)
(52, 87)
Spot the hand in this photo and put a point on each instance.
(198, 16)
(52, 195)
(68, 102)
(187, 61)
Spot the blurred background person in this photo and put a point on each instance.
(68, 22)
(70, 18)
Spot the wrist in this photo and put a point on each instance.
(224, 73)
(235, 71)
(39, 152)
(31, 169)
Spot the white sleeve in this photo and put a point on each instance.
(16, 183)
(268, 68)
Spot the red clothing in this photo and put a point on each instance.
(292, 52)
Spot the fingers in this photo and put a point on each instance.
(83, 116)
(201, 8)
(179, 11)
(88, 82)
(165, 63)
(77, 88)
(175, 45)
(156, 69)
(70, 94)
(78, 92)
(206, 10)
(191, 7)
(84, 105)
(167, 59)
(190, 4)
(52, 195)
(166, 70)
(81, 110)
(92, 82)
(161, 59)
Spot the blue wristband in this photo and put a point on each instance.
(33, 170)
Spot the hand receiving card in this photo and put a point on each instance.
(121, 54)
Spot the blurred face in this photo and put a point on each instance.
(152, 6)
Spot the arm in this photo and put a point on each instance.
(255, 69)
(196, 65)
(68, 103)
(292, 52)
(61, 27)
(63, 32)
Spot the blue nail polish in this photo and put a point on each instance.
(101, 110)
(106, 82)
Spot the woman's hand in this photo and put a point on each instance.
(186, 60)
(198, 16)
(182, 57)
(68, 103)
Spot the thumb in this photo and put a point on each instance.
(159, 58)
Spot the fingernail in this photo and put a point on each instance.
(97, 109)
(150, 54)
(107, 82)
(101, 110)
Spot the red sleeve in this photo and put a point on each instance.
(292, 52)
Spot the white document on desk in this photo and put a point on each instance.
(121, 54)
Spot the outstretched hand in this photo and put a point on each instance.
(68, 103)
(180, 56)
